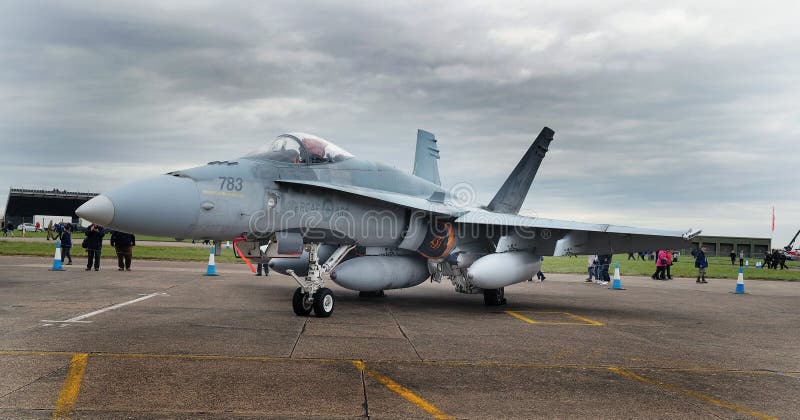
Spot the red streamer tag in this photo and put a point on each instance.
(238, 251)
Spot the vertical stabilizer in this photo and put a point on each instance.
(425, 165)
(513, 192)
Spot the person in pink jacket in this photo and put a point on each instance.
(661, 264)
(669, 264)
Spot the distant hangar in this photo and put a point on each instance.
(721, 246)
(23, 204)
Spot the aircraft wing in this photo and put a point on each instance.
(563, 237)
(404, 200)
(555, 237)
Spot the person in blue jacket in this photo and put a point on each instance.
(701, 263)
(94, 245)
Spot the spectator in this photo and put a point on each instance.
(263, 264)
(669, 263)
(59, 228)
(50, 231)
(94, 245)
(8, 228)
(767, 260)
(539, 274)
(776, 258)
(631, 256)
(701, 262)
(591, 263)
(733, 257)
(123, 243)
(782, 260)
(38, 227)
(66, 244)
(741, 258)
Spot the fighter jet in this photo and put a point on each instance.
(316, 210)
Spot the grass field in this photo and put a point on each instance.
(18, 234)
(718, 267)
(199, 253)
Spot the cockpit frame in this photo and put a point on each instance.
(300, 149)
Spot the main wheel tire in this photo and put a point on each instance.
(300, 304)
(323, 303)
(494, 297)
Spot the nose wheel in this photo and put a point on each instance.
(323, 303)
(300, 303)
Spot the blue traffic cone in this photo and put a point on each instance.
(212, 269)
(740, 283)
(57, 258)
(616, 284)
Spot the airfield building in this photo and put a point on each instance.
(23, 204)
(721, 246)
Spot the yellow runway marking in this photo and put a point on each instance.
(402, 391)
(584, 321)
(694, 394)
(72, 386)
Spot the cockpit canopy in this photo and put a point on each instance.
(300, 148)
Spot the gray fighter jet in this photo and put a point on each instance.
(314, 209)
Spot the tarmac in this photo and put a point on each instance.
(164, 341)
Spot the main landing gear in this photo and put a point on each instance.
(494, 297)
(311, 295)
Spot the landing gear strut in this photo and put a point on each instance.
(494, 297)
(311, 295)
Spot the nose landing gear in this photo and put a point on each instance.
(311, 295)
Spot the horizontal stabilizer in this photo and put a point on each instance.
(513, 192)
(425, 165)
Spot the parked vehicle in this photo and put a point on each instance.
(28, 227)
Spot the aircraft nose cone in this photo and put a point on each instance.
(98, 210)
(163, 205)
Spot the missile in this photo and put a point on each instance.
(300, 264)
(500, 270)
(374, 273)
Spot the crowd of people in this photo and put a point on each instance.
(122, 242)
(775, 259)
(664, 260)
(598, 267)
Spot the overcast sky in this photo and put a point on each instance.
(667, 114)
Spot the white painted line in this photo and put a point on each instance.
(80, 318)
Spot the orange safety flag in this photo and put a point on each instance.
(238, 251)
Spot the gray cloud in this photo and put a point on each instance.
(670, 116)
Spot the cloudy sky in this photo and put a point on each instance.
(667, 114)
